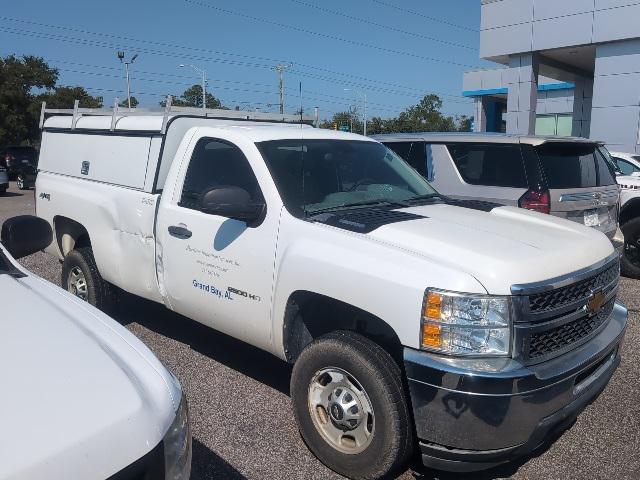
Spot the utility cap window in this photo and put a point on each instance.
(216, 163)
(489, 164)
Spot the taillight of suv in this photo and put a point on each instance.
(536, 199)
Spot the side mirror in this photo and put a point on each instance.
(231, 202)
(25, 234)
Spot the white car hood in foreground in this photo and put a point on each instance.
(82, 397)
(500, 248)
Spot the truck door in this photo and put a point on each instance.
(216, 270)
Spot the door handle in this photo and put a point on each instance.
(179, 232)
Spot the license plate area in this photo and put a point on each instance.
(591, 217)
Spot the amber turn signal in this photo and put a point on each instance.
(431, 335)
(432, 306)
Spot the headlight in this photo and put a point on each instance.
(466, 324)
(177, 445)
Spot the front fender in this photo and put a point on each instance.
(353, 268)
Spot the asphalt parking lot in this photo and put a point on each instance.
(241, 418)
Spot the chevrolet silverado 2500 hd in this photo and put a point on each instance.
(464, 330)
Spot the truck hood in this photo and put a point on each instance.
(500, 248)
(82, 397)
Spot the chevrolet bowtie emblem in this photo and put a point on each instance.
(595, 302)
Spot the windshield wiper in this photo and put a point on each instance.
(422, 198)
(389, 203)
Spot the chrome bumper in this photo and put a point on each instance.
(472, 414)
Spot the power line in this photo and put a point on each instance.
(393, 108)
(194, 49)
(104, 44)
(333, 81)
(422, 15)
(342, 100)
(326, 35)
(384, 26)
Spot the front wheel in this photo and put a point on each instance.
(80, 276)
(350, 405)
(630, 261)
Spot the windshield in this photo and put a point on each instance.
(320, 175)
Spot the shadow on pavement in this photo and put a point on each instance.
(242, 357)
(207, 464)
(506, 470)
(11, 194)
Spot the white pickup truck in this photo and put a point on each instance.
(465, 331)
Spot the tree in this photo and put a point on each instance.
(192, 97)
(344, 118)
(425, 116)
(125, 103)
(19, 77)
(64, 97)
(464, 123)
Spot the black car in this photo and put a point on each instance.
(26, 176)
(15, 159)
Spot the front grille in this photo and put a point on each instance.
(561, 297)
(559, 338)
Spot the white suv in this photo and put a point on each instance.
(627, 163)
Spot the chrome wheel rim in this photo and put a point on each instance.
(341, 410)
(20, 183)
(77, 284)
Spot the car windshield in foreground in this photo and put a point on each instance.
(321, 175)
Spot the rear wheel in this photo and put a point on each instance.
(80, 276)
(3, 190)
(350, 405)
(21, 182)
(630, 261)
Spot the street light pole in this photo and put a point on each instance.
(365, 115)
(204, 82)
(126, 69)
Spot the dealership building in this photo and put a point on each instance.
(569, 67)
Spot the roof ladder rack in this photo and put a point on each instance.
(117, 113)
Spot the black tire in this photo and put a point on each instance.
(630, 261)
(2, 191)
(21, 182)
(380, 376)
(100, 293)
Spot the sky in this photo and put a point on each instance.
(394, 51)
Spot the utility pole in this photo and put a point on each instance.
(280, 68)
(204, 82)
(126, 69)
(364, 116)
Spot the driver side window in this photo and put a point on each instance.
(217, 163)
